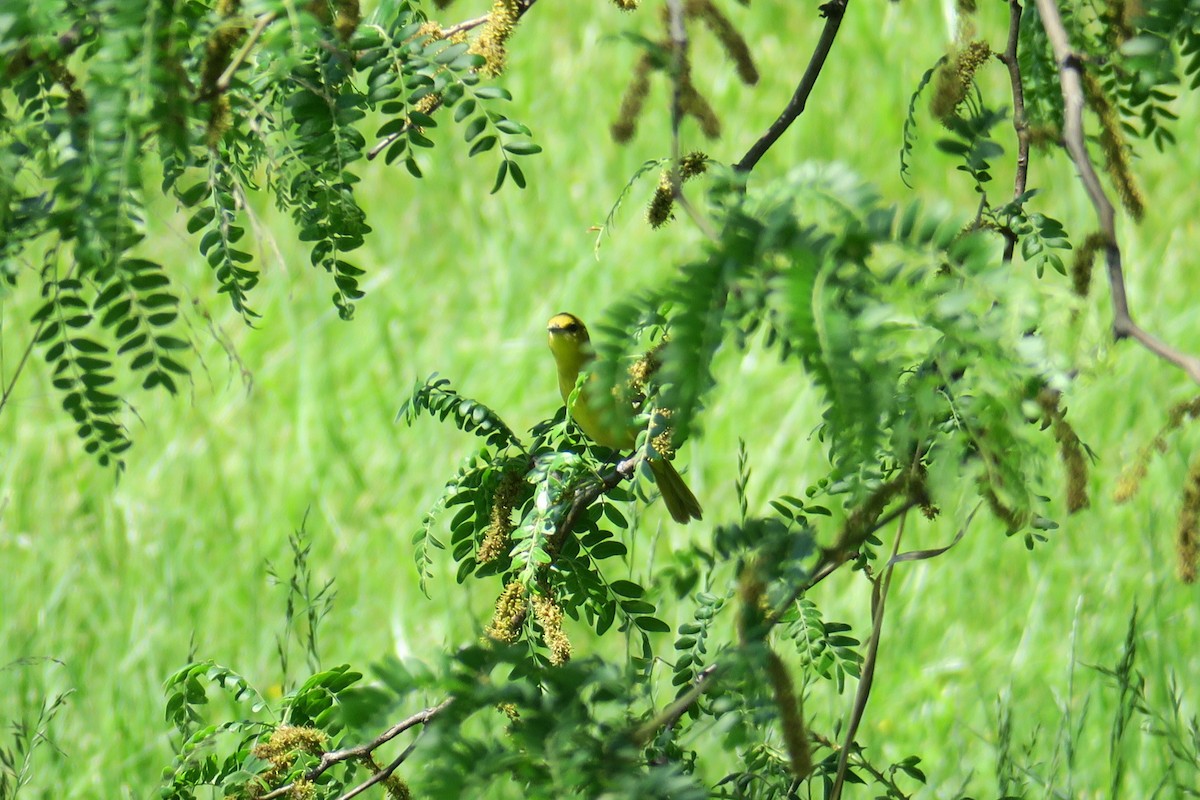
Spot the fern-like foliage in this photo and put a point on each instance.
(435, 397)
(224, 95)
(888, 309)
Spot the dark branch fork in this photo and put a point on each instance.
(1070, 71)
(364, 750)
(833, 11)
(1009, 59)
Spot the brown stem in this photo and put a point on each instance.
(587, 495)
(878, 600)
(671, 715)
(1020, 124)
(833, 11)
(243, 52)
(1070, 76)
(360, 751)
(465, 25)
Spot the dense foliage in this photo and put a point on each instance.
(921, 327)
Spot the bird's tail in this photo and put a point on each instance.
(677, 497)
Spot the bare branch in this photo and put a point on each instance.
(385, 773)
(1020, 124)
(878, 601)
(243, 52)
(465, 25)
(363, 750)
(671, 715)
(587, 495)
(1070, 76)
(833, 11)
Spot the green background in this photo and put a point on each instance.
(121, 580)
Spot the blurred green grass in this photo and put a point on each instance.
(122, 580)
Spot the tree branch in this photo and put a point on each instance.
(863, 693)
(1020, 125)
(465, 25)
(671, 715)
(361, 751)
(385, 773)
(860, 525)
(243, 52)
(587, 495)
(833, 11)
(1069, 71)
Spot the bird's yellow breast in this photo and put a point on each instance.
(571, 346)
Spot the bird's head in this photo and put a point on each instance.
(569, 340)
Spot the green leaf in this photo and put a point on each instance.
(522, 148)
(652, 625)
(623, 588)
(501, 173)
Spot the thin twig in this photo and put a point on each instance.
(833, 11)
(465, 25)
(21, 365)
(243, 52)
(587, 495)
(863, 692)
(670, 716)
(360, 751)
(385, 773)
(1020, 124)
(1070, 70)
(386, 141)
(853, 536)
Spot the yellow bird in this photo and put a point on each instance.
(571, 346)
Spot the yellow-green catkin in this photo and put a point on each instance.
(753, 613)
(492, 42)
(549, 616)
(1084, 262)
(218, 51)
(1118, 18)
(1187, 539)
(281, 748)
(509, 615)
(1116, 151)
(633, 101)
(662, 204)
(1070, 450)
(219, 46)
(496, 539)
(694, 105)
(956, 76)
(732, 42)
(1134, 473)
(1011, 518)
(346, 18)
(791, 716)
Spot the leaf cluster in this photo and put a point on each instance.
(231, 99)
